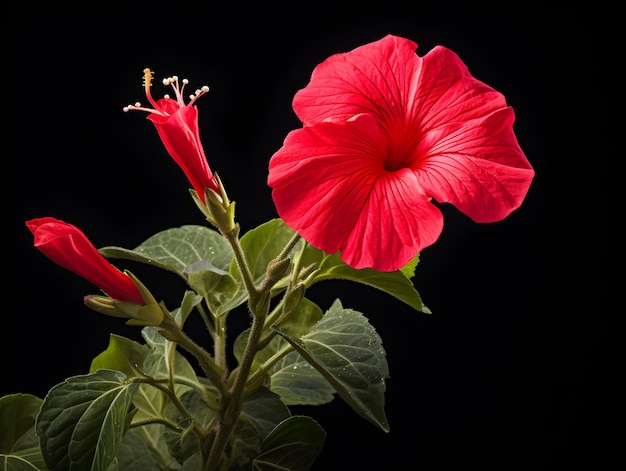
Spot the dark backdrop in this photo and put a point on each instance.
(511, 369)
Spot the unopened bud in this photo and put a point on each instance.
(275, 271)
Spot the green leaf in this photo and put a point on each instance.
(299, 383)
(135, 453)
(144, 448)
(195, 404)
(265, 410)
(409, 269)
(302, 319)
(176, 249)
(292, 446)
(19, 445)
(82, 421)
(348, 352)
(245, 444)
(291, 377)
(262, 412)
(199, 255)
(17, 463)
(395, 283)
(221, 290)
(122, 354)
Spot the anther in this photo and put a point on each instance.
(147, 77)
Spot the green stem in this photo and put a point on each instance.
(232, 408)
(172, 395)
(219, 342)
(206, 320)
(242, 264)
(276, 313)
(267, 364)
(172, 331)
(157, 420)
(290, 245)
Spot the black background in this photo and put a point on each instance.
(511, 371)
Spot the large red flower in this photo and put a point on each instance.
(177, 125)
(385, 131)
(68, 247)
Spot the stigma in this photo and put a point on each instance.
(179, 89)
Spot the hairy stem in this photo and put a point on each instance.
(232, 408)
(172, 331)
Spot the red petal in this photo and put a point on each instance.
(480, 169)
(69, 248)
(376, 78)
(180, 134)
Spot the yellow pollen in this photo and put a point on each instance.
(148, 76)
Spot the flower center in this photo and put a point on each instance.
(400, 152)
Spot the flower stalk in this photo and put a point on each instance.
(258, 305)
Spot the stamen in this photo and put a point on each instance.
(148, 76)
(137, 107)
(198, 94)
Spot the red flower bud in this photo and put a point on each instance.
(68, 247)
(177, 125)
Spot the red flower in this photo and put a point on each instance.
(68, 247)
(385, 131)
(177, 125)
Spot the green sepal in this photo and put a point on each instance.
(218, 209)
(150, 314)
(199, 203)
(145, 293)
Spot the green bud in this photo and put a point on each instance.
(275, 271)
(306, 271)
